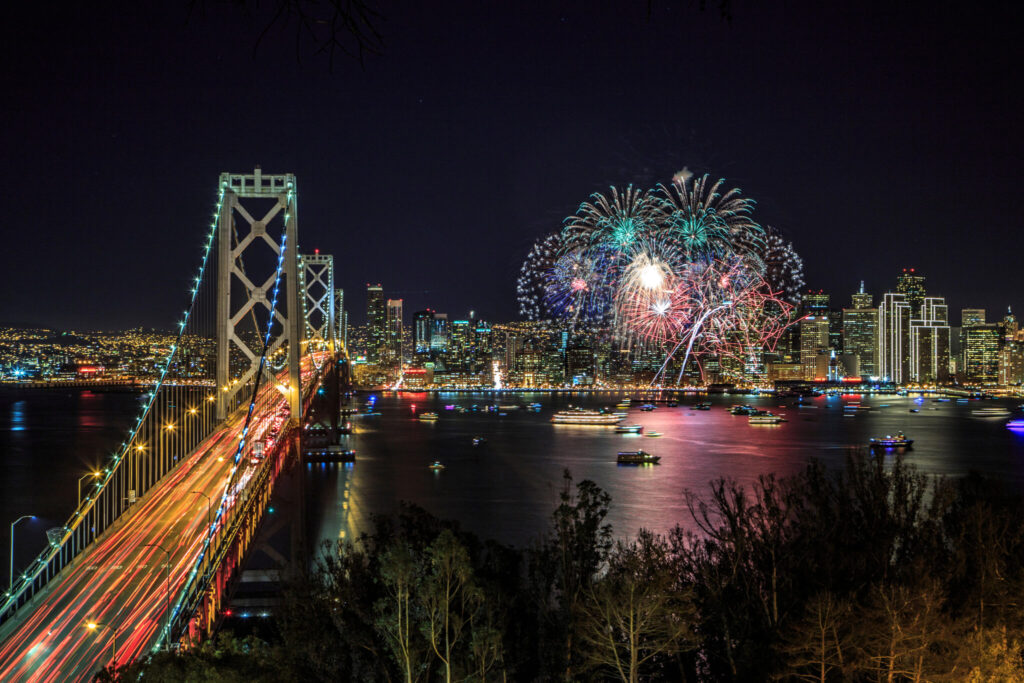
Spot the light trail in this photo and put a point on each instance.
(120, 582)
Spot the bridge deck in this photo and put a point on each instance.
(120, 582)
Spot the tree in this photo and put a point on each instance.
(816, 646)
(635, 612)
(897, 628)
(395, 613)
(580, 543)
(450, 596)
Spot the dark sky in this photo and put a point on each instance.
(877, 136)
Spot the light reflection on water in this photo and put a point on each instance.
(508, 487)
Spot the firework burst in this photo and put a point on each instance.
(685, 266)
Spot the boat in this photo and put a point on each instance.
(579, 416)
(1015, 425)
(637, 458)
(510, 407)
(535, 407)
(702, 406)
(915, 410)
(647, 407)
(763, 417)
(427, 417)
(623, 405)
(629, 429)
(899, 440)
(742, 410)
(990, 412)
(672, 403)
(479, 440)
(653, 434)
(436, 466)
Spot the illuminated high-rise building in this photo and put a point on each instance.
(376, 323)
(894, 338)
(929, 342)
(1010, 325)
(439, 334)
(969, 317)
(393, 335)
(982, 345)
(422, 331)
(459, 344)
(911, 285)
(860, 333)
(341, 318)
(813, 341)
(1011, 363)
(815, 303)
(862, 299)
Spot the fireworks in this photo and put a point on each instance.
(784, 269)
(685, 266)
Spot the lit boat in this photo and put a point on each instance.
(915, 410)
(990, 412)
(579, 416)
(889, 441)
(763, 417)
(1015, 425)
(702, 406)
(672, 403)
(629, 429)
(428, 417)
(653, 434)
(479, 440)
(647, 407)
(742, 410)
(436, 466)
(637, 458)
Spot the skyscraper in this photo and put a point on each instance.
(813, 341)
(894, 338)
(393, 338)
(911, 285)
(439, 334)
(341, 318)
(860, 333)
(814, 303)
(422, 331)
(862, 299)
(929, 342)
(972, 316)
(982, 345)
(376, 322)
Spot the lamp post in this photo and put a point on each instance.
(167, 568)
(93, 625)
(10, 581)
(80, 480)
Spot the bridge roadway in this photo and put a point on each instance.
(120, 582)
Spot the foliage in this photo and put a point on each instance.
(871, 573)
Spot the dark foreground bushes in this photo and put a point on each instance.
(874, 573)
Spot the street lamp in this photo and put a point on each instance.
(93, 625)
(167, 569)
(80, 480)
(10, 581)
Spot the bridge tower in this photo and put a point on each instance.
(262, 206)
(318, 302)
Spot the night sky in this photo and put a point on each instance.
(876, 136)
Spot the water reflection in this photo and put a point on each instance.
(507, 487)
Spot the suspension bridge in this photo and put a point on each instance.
(146, 558)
